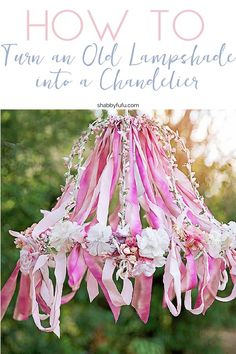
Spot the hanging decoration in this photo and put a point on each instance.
(127, 212)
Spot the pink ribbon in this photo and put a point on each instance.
(172, 281)
(114, 218)
(185, 189)
(105, 178)
(165, 199)
(142, 296)
(154, 212)
(46, 286)
(204, 277)
(38, 287)
(92, 286)
(142, 168)
(66, 195)
(94, 182)
(49, 220)
(189, 280)
(68, 297)
(126, 294)
(89, 172)
(116, 159)
(9, 289)
(90, 177)
(232, 263)
(57, 213)
(210, 292)
(76, 267)
(96, 269)
(23, 303)
(132, 210)
(60, 273)
(104, 195)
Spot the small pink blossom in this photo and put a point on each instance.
(28, 258)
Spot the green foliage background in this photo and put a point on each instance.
(33, 144)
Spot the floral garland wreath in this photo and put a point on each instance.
(95, 229)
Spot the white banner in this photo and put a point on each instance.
(95, 54)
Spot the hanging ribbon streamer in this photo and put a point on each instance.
(142, 296)
(23, 303)
(132, 208)
(60, 273)
(117, 299)
(92, 286)
(96, 270)
(9, 289)
(172, 281)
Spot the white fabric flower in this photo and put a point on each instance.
(229, 235)
(99, 240)
(153, 244)
(232, 230)
(232, 226)
(159, 261)
(63, 234)
(221, 239)
(146, 268)
(214, 242)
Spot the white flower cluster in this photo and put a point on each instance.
(132, 260)
(99, 240)
(152, 244)
(64, 234)
(221, 238)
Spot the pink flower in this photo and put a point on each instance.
(196, 243)
(28, 258)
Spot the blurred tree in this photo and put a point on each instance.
(33, 145)
(218, 180)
